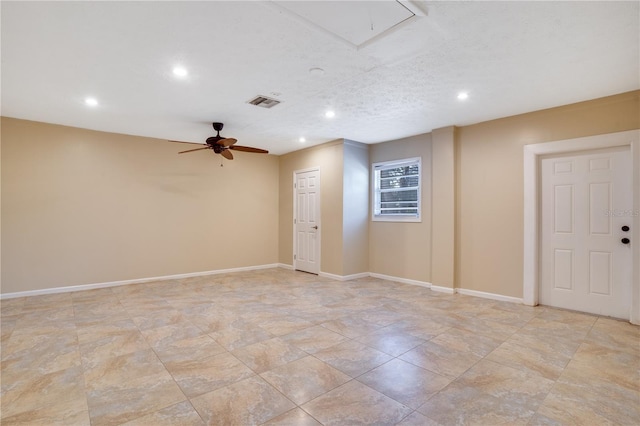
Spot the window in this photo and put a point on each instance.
(396, 186)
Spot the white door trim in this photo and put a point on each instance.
(295, 206)
(531, 248)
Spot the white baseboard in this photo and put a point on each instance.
(426, 284)
(285, 266)
(400, 280)
(344, 277)
(134, 281)
(440, 289)
(492, 296)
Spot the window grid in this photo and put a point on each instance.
(397, 190)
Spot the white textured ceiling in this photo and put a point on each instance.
(512, 57)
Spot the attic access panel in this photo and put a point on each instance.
(354, 22)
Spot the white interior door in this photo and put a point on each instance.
(306, 254)
(587, 202)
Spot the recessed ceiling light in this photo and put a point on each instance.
(180, 72)
(329, 114)
(91, 102)
(463, 95)
(302, 140)
(316, 72)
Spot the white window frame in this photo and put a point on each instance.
(375, 185)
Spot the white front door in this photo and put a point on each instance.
(586, 206)
(306, 229)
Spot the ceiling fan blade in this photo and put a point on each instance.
(249, 149)
(227, 141)
(191, 150)
(227, 154)
(192, 143)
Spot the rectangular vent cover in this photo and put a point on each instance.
(263, 102)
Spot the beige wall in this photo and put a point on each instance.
(489, 167)
(355, 212)
(83, 207)
(404, 249)
(329, 159)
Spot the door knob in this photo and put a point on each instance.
(625, 241)
(625, 228)
(315, 227)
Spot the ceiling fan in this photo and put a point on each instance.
(221, 145)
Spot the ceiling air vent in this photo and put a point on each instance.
(263, 102)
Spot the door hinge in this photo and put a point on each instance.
(294, 257)
(294, 221)
(295, 185)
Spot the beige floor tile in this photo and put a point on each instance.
(13, 306)
(59, 315)
(305, 379)
(569, 403)
(492, 329)
(406, 383)
(47, 301)
(533, 360)
(65, 387)
(551, 324)
(543, 342)
(356, 404)
(161, 337)
(352, 358)
(249, 402)
(109, 372)
(508, 384)
(157, 319)
(350, 326)
(118, 343)
(417, 419)
(70, 412)
(280, 326)
(182, 414)
(191, 348)
(266, 355)
(440, 360)
(381, 317)
(460, 340)
(615, 335)
(238, 334)
(198, 376)
(109, 329)
(542, 420)
(418, 327)
(25, 355)
(390, 342)
(295, 417)
(130, 399)
(314, 339)
(458, 404)
(116, 355)
(596, 362)
(93, 296)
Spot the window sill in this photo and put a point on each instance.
(408, 219)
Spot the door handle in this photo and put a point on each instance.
(625, 241)
(315, 227)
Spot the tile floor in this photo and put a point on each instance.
(279, 347)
